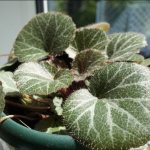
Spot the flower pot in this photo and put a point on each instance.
(28, 139)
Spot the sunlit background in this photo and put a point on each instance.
(123, 15)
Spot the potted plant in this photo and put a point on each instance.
(81, 82)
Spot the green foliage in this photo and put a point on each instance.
(115, 112)
(85, 75)
(122, 46)
(90, 39)
(136, 58)
(146, 62)
(41, 79)
(44, 34)
(84, 66)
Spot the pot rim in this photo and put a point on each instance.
(22, 137)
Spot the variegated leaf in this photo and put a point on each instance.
(41, 79)
(2, 101)
(123, 45)
(87, 61)
(46, 33)
(116, 114)
(8, 83)
(90, 39)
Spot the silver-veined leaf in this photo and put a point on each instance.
(90, 39)
(46, 33)
(8, 83)
(123, 45)
(41, 79)
(2, 100)
(87, 61)
(116, 114)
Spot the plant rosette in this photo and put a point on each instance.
(83, 82)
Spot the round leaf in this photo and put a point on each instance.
(116, 115)
(87, 61)
(41, 79)
(90, 39)
(46, 33)
(123, 45)
(2, 100)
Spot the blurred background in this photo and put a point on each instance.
(123, 15)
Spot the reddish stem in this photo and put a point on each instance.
(31, 108)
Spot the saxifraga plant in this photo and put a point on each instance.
(94, 85)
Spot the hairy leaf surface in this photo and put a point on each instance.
(45, 34)
(90, 39)
(123, 45)
(116, 114)
(41, 79)
(87, 61)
